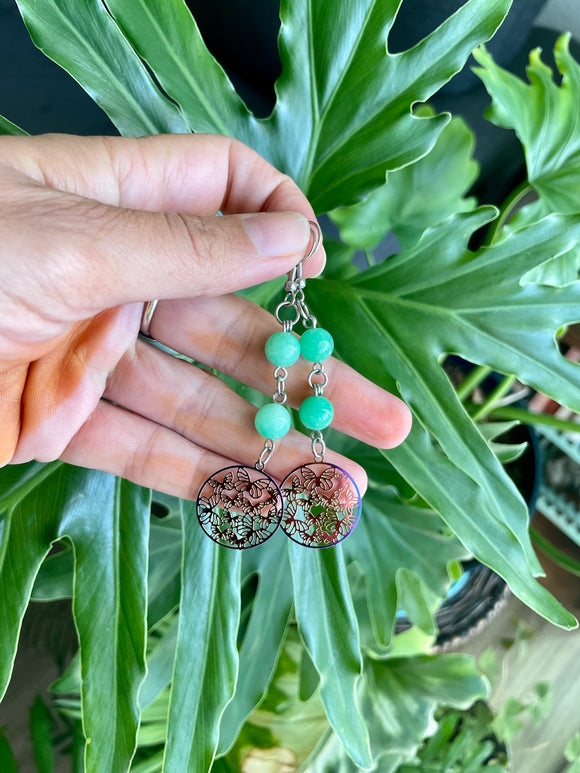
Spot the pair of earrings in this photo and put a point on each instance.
(318, 504)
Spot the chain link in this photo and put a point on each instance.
(280, 396)
(318, 446)
(264, 457)
(318, 386)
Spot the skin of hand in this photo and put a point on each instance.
(90, 228)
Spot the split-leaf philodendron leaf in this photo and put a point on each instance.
(417, 196)
(107, 521)
(546, 119)
(440, 298)
(343, 119)
(343, 112)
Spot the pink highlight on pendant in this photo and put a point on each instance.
(322, 505)
(239, 507)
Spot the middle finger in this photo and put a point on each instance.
(229, 333)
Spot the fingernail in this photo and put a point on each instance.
(275, 234)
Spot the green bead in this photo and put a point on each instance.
(316, 412)
(316, 344)
(282, 349)
(273, 421)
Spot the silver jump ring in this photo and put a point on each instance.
(322, 384)
(148, 312)
(287, 305)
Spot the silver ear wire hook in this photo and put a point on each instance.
(295, 276)
(316, 235)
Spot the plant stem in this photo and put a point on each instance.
(472, 380)
(541, 419)
(488, 406)
(557, 556)
(506, 211)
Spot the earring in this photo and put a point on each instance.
(318, 504)
(322, 503)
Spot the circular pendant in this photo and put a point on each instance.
(239, 507)
(322, 505)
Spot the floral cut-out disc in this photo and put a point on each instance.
(239, 507)
(322, 505)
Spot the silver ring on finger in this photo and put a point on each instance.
(148, 312)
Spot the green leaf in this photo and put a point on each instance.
(328, 625)
(401, 547)
(334, 129)
(160, 666)
(264, 636)
(345, 119)
(111, 555)
(165, 549)
(282, 721)
(41, 723)
(400, 697)
(84, 40)
(505, 452)
(56, 576)
(416, 197)
(7, 127)
(168, 39)
(18, 480)
(572, 750)
(509, 721)
(546, 118)
(473, 305)
(206, 658)
(107, 522)
(7, 760)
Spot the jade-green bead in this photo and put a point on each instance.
(273, 421)
(316, 344)
(316, 412)
(282, 349)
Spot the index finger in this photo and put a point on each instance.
(199, 174)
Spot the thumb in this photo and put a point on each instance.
(114, 220)
(119, 256)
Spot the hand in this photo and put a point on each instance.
(92, 227)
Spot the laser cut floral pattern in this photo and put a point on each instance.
(239, 507)
(322, 505)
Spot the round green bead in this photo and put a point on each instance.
(316, 344)
(273, 421)
(282, 349)
(316, 412)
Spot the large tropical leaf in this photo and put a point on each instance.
(206, 659)
(328, 624)
(84, 39)
(334, 129)
(7, 127)
(264, 635)
(106, 519)
(400, 697)
(472, 305)
(546, 119)
(404, 554)
(416, 197)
